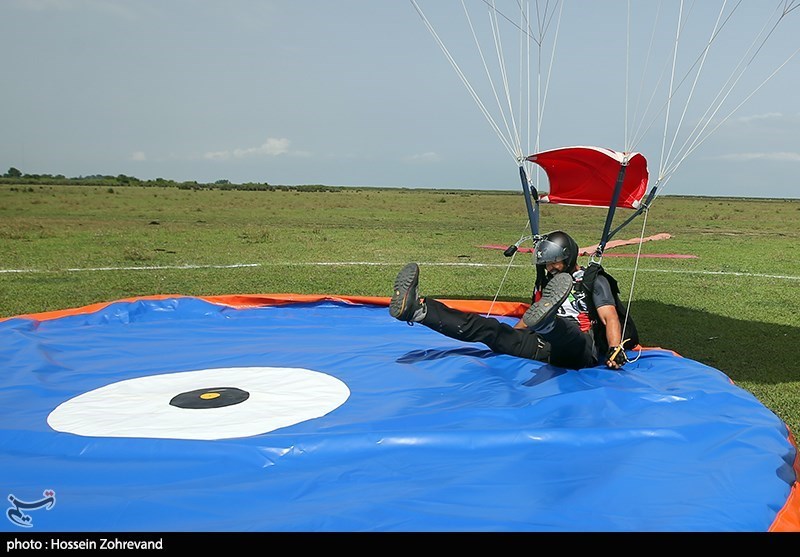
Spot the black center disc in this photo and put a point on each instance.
(217, 397)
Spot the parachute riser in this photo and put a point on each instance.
(531, 199)
(532, 204)
(612, 207)
(642, 208)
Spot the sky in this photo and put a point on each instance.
(359, 92)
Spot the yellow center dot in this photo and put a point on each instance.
(209, 396)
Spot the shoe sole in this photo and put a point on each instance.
(404, 284)
(553, 295)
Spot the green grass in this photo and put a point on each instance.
(734, 308)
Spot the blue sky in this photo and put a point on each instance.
(357, 92)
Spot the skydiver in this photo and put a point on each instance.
(574, 321)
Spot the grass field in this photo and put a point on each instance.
(734, 307)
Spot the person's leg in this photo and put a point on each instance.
(569, 346)
(554, 294)
(470, 327)
(406, 305)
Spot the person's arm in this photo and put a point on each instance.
(608, 316)
(607, 313)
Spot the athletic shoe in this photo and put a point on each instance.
(553, 295)
(405, 298)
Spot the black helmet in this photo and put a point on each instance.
(557, 246)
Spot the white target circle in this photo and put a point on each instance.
(276, 397)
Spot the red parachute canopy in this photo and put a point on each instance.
(588, 175)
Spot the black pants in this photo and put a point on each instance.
(569, 347)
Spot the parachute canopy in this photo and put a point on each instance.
(588, 176)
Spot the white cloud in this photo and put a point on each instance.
(424, 158)
(138, 156)
(273, 147)
(777, 156)
(760, 117)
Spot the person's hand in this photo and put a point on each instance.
(616, 357)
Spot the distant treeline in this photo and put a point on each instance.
(16, 177)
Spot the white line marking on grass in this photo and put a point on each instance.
(152, 268)
(379, 264)
(464, 264)
(726, 273)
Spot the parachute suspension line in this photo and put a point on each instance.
(698, 141)
(673, 90)
(529, 191)
(703, 130)
(787, 7)
(545, 16)
(511, 252)
(716, 104)
(464, 80)
(633, 281)
(638, 132)
(544, 21)
(697, 138)
(706, 50)
(627, 72)
(540, 96)
(524, 72)
(741, 103)
(500, 287)
(671, 84)
(512, 255)
(512, 149)
(498, 46)
(513, 137)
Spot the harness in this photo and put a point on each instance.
(586, 287)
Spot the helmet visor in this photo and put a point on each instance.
(549, 252)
